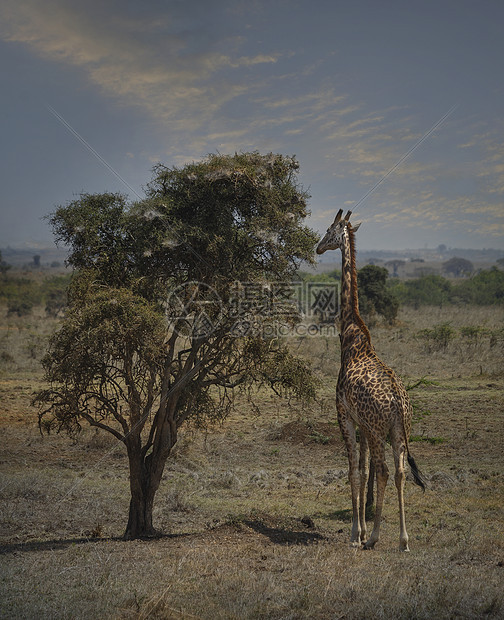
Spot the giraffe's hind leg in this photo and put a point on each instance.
(399, 448)
(381, 469)
(370, 491)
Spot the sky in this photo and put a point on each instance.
(393, 108)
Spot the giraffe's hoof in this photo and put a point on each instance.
(368, 545)
(405, 549)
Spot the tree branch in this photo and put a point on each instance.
(104, 427)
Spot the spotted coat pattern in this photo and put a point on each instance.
(369, 396)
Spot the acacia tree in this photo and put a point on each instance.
(458, 267)
(394, 265)
(167, 314)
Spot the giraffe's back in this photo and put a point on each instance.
(373, 394)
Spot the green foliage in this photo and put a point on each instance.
(485, 288)
(432, 440)
(22, 294)
(374, 296)
(271, 363)
(18, 289)
(151, 337)
(4, 267)
(419, 413)
(458, 267)
(55, 294)
(103, 358)
(93, 226)
(432, 290)
(20, 307)
(329, 277)
(235, 215)
(474, 333)
(437, 338)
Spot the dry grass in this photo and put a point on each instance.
(233, 503)
(401, 347)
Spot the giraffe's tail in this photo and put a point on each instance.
(417, 476)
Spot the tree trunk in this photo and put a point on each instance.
(145, 478)
(143, 489)
(140, 517)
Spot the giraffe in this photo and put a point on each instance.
(369, 396)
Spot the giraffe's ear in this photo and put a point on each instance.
(356, 227)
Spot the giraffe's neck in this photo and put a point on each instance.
(351, 323)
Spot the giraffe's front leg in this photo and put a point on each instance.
(354, 478)
(363, 474)
(347, 427)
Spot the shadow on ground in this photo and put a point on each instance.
(284, 536)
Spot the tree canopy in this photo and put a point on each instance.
(458, 267)
(374, 296)
(168, 306)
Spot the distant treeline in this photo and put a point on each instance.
(377, 292)
(485, 288)
(23, 293)
(383, 295)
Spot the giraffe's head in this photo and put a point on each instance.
(334, 238)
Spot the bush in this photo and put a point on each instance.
(55, 294)
(474, 333)
(23, 293)
(485, 288)
(21, 307)
(437, 338)
(430, 290)
(374, 296)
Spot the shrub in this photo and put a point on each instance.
(437, 338)
(485, 288)
(374, 296)
(431, 290)
(21, 307)
(474, 333)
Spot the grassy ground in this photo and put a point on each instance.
(256, 511)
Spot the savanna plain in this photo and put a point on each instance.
(256, 511)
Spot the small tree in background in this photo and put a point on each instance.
(429, 290)
(4, 267)
(157, 331)
(458, 267)
(374, 296)
(394, 265)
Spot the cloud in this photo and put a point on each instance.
(461, 215)
(255, 60)
(166, 75)
(207, 86)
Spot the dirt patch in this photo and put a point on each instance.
(302, 432)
